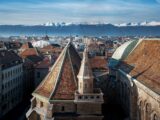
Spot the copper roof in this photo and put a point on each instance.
(61, 81)
(143, 64)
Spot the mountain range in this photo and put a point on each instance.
(90, 29)
(145, 23)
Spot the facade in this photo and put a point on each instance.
(40, 71)
(11, 81)
(62, 95)
(135, 67)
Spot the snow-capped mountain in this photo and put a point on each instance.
(142, 28)
(152, 23)
(145, 23)
(56, 24)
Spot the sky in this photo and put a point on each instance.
(74, 11)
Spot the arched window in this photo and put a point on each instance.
(140, 111)
(147, 111)
(155, 117)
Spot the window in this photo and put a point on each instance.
(62, 109)
(155, 117)
(80, 97)
(38, 74)
(85, 85)
(4, 107)
(147, 114)
(97, 97)
(86, 97)
(2, 76)
(90, 85)
(92, 97)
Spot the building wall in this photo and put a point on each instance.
(89, 108)
(28, 81)
(0, 90)
(138, 101)
(11, 87)
(39, 75)
(64, 110)
(64, 107)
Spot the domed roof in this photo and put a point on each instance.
(122, 52)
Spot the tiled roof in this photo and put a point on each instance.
(29, 52)
(9, 58)
(51, 48)
(27, 45)
(98, 62)
(45, 64)
(61, 81)
(35, 58)
(143, 64)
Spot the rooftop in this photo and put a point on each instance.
(61, 81)
(143, 64)
(9, 58)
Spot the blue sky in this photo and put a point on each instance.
(109, 11)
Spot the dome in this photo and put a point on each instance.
(122, 52)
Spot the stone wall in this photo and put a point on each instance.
(64, 107)
(89, 108)
(143, 104)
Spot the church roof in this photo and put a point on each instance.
(143, 64)
(61, 81)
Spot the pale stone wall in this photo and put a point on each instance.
(63, 107)
(89, 108)
(148, 103)
(138, 101)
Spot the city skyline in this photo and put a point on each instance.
(108, 11)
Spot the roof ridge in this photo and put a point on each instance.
(42, 83)
(72, 68)
(57, 80)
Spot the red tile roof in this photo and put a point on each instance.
(27, 45)
(98, 62)
(29, 52)
(61, 82)
(45, 64)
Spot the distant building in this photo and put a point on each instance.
(41, 43)
(63, 95)
(11, 81)
(135, 69)
(41, 69)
